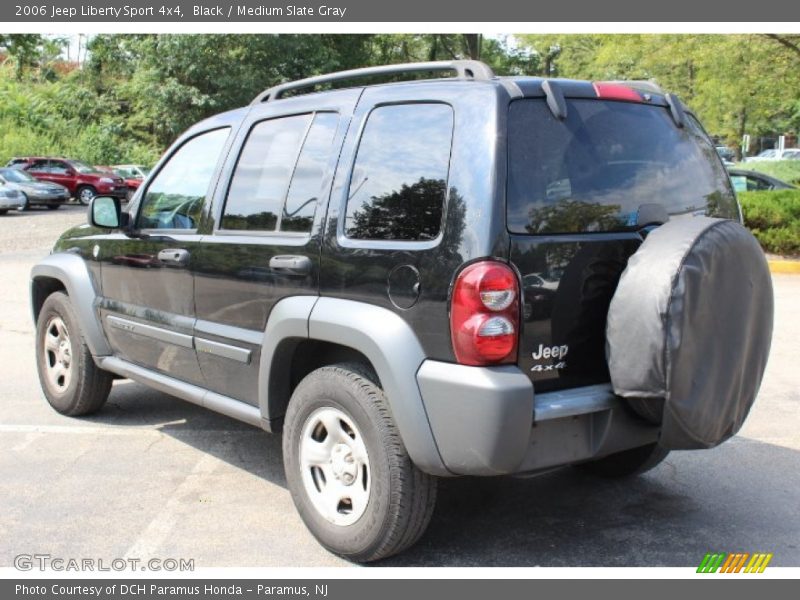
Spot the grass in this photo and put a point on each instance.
(786, 170)
(774, 218)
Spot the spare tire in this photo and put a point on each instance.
(689, 329)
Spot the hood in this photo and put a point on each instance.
(37, 186)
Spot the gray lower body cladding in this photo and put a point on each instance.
(488, 421)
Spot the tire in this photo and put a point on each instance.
(627, 463)
(53, 206)
(3, 211)
(375, 504)
(72, 383)
(26, 205)
(85, 194)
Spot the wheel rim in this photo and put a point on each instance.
(57, 354)
(86, 195)
(335, 466)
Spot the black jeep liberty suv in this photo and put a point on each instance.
(419, 279)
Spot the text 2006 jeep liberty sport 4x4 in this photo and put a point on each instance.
(469, 275)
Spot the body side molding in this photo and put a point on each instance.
(71, 270)
(230, 407)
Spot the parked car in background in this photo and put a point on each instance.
(752, 181)
(83, 181)
(33, 191)
(728, 155)
(133, 175)
(775, 154)
(10, 198)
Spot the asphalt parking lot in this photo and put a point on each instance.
(152, 476)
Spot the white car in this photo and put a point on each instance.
(774, 154)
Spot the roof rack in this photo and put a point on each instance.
(464, 69)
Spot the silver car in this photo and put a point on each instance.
(10, 199)
(32, 190)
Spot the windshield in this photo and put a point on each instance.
(16, 176)
(595, 169)
(83, 167)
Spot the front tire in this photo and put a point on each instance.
(347, 469)
(627, 463)
(26, 204)
(85, 194)
(53, 206)
(72, 383)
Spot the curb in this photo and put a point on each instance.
(784, 267)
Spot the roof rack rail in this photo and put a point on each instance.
(464, 69)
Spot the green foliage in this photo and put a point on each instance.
(774, 218)
(137, 93)
(785, 170)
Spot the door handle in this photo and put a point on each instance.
(286, 263)
(174, 256)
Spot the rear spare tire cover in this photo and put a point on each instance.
(690, 326)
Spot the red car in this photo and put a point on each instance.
(84, 182)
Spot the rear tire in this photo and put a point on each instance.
(347, 469)
(3, 211)
(72, 383)
(26, 203)
(627, 463)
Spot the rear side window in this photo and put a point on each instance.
(593, 170)
(276, 184)
(399, 181)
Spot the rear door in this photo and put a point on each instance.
(61, 172)
(264, 235)
(576, 190)
(41, 169)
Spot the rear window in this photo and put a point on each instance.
(593, 170)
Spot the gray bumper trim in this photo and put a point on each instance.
(570, 403)
(486, 421)
(480, 416)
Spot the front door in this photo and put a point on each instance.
(147, 305)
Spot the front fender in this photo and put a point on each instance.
(72, 272)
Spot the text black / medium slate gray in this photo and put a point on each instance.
(691, 323)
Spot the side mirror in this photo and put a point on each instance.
(105, 212)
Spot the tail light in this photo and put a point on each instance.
(615, 91)
(484, 314)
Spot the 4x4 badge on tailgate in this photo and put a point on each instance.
(547, 352)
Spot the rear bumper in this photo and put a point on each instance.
(488, 421)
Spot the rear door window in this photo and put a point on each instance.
(278, 178)
(593, 170)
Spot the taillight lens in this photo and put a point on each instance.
(484, 314)
(615, 91)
